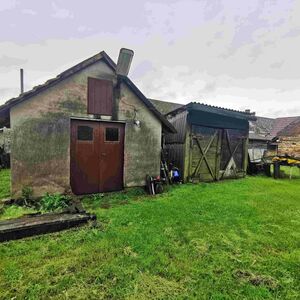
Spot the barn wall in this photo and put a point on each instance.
(41, 135)
(185, 153)
(176, 144)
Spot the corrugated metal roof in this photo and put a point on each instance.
(216, 110)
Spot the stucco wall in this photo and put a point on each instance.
(41, 135)
(142, 144)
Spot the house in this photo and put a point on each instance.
(288, 139)
(88, 130)
(259, 139)
(263, 137)
(210, 143)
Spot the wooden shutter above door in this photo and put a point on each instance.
(100, 96)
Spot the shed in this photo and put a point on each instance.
(210, 143)
(88, 130)
(264, 136)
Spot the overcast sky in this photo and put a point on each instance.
(230, 53)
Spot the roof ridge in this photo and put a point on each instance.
(224, 108)
(70, 71)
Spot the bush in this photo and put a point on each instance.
(27, 193)
(54, 202)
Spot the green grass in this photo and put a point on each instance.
(293, 171)
(236, 239)
(4, 183)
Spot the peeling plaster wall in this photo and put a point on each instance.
(142, 144)
(40, 155)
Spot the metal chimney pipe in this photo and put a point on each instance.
(22, 80)
(124, 61)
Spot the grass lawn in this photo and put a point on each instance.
(236, 239)
(4, 183)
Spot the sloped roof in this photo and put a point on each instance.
(259, 137)
(215, 109)
(268, 128)
(165, 107)
(280, 124)
(148, 103)
(291, 129)
(4, 109)
(67, 73)
(262, 126)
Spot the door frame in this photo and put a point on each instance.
(73, 118)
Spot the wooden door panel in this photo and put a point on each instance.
(84, 153)
(97, 156)
(232, 159)
(204, 153)
(111, 156)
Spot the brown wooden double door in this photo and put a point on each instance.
(97, 156)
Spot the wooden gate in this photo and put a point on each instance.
(233, 153)
(97, 154)
(205, 153)
(216, 153)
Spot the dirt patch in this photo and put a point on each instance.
(256, 280)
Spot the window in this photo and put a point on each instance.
(111, 134)
(100, 96)
(84, 133)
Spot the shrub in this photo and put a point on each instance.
(54, 202)
(27, 194)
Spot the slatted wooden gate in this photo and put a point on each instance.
(233, 153)
(216, 153)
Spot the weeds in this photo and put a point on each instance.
(54, 202)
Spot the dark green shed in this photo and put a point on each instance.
(211, 143)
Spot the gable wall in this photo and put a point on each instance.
(41, 134)
(142, 144)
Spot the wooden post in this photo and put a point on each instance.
(245, 157)
(276, 169)
(22, 81)
(267, 169)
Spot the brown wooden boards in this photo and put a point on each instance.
(100, 96)
(97, 155)
(204, 150)
(233, 153)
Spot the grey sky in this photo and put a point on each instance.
(236, 54)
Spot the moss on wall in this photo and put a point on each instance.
(41, 138)
(41, 135)
(142, 144)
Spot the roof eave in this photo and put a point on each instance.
(167, 126)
